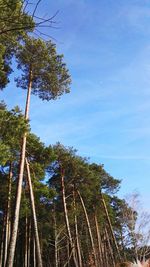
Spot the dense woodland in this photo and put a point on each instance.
(56, 208)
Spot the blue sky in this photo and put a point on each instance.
(106, 45)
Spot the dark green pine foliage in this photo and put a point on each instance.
(39, 156)
(12, 128)
(50, 77)
(90, 180)
(14, 24)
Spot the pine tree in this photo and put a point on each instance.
(43, 74)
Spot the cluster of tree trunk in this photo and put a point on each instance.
(67, 243)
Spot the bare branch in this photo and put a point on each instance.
(36, 6)
(44, 34)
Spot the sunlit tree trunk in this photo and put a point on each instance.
(7, 225)
(106, 260)
(110, 249)
(34, 253)
(29, 242)
(66, 218)
(99, 241)
(56, 240)
(69, 254)
(110, 226)
(76, 231)
(39, 257)
(102, 250)
(89, 228)
(13, 239)
(6, 222)
(26, 243)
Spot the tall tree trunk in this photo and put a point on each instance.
(34, 253)
(69, 254)
(29, 242)
(56, 239)
(110, 249)
(110, 226)
(32, 203)
(7, 222)
(2, 242)
(26, 243)
(106, 253)
(13, 239)
(76, 231)
(66, 219)
(99, 241)
(102, 250)
(89, 229)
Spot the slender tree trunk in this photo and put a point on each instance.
(26, 243)
(7, 222)
(110, 226)
(68, 254)
(56, 239)
(106, 254)
(39, 257)
(59, 260)
(2, 242)
(9, 231)
(102, 250)
(1, 253)
(99, 241)
(13, 239)
(89, 229)
(56, 251)
(34, 253)
(110, 249)
(66, 218)
(29, 242)
(76, 231)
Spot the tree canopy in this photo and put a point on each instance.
(50, 78)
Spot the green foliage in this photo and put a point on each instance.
(12, 128)
(50, 78)
(4, 153)
(14, 24)
(37, 150)
(90, 179)
(107, 183)
(38, 155)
